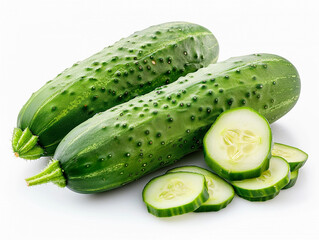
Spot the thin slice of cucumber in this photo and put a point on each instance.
(261, 199)
(294, 156)
(238, 145)
(270, 182)
(293, 179)
(220, 192)
(175, 193)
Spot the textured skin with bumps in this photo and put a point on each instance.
(128, 141)
(132, 66)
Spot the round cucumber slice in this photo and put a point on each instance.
(261, 199)
(238, 145)
(175, 193)
(293, 179)
(294, 156)
(270, 182)
(220, 192)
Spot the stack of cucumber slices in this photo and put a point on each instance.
(186, 189)
(239, 148)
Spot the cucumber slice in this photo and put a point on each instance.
(175, 193)
(220, 192)
(270, 182)
(238, 145)
(293, 179)
(294, 156)
(261, 199)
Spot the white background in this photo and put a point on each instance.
(39, 39)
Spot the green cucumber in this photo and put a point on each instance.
(220, 192)
(294, 156)
(175, 193)
(270, 182)
(131, 67)
(155, 130)
(293, 179)
(261, 199)
(238, 145)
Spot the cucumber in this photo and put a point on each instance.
(261, 199)
(269, 183)
(294, 156)
(132, 66)
(175, 193)
(220, 192)
(238, 145)
(293, 179)
(152, 131)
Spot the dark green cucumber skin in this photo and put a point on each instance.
(292, 181)
(213, 208)
(261, 199)
(149, 132)
(132, 66)
(295, 166)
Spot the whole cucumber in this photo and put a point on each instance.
(130, 140)
(132, 66)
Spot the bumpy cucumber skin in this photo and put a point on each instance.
(190, 207)
(232, 176)
(294, 166)
(205, 207)
(261, 199)
(259, 193)
(132, 66)
(293, 179)
(149, 132)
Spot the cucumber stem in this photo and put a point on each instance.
(52, 173)
(24, 144)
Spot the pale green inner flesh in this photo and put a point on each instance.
(174, 190)
(290, 154)
(239, 143)
(239, 140)
(278, 170)
(219, 190)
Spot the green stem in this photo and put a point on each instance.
(52, 173)
(24, 144)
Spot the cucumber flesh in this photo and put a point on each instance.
(220, 192)
(175, 193)
(293, 179)
(261, 199)
(294, 156)
(238, 145)
(270, 182)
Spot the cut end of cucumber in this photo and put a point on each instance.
(52, 173)
(220, 192)
(270, 182)
(294, 156)
(175, 194)
(238, 144)
(24, 144)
